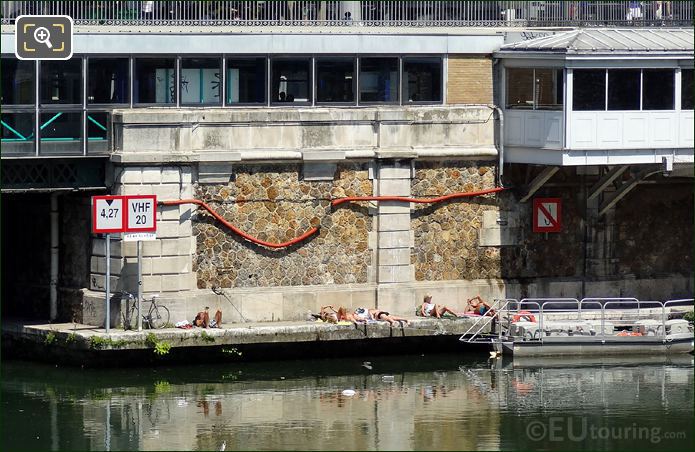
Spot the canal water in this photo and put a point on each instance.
(433, 402)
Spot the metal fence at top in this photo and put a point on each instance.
(361, 13)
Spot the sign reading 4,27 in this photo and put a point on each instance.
(115, 214)
(108, 214)
(141, 214)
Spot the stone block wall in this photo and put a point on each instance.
(273, 203)
(469, 79)
(446, 234)
(167, 261)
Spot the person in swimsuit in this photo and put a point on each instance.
(477, 305)
(363, 315)
(429, 309)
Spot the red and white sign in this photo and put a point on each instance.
(141, 213)
(116, 214)
(547, 215)
(108, 214)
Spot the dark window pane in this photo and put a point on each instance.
(334, 80)
(61, 82)
(246, 81)
(17, 82)
(379, 80)
(97, 131)
(107, 81)
(154, 81)
(17, 133)
(589, 89)
(61, 133)
(549, 89)
(519, 88)
(623, 89)
(687, 89)
(422, 80)
(291, 80)
(658, 89)
(200, 80)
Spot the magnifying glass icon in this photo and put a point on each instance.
(43, 36)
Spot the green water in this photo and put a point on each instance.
(440, 402)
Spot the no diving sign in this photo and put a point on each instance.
(547, 215)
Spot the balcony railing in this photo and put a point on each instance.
(361, 13)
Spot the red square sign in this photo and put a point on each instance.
(141, 213)
(108, 214)
(547, 215)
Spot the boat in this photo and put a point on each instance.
(589, 327)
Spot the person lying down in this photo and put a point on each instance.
(364, 315)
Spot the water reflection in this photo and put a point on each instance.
(418, 402)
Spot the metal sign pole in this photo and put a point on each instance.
(139, 285)
(108, 282)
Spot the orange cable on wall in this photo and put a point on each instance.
(334, 203)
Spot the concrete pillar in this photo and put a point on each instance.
(54, 257)
(600, 260)
(394, 235)
(167, 263)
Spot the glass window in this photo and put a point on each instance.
(154, 81)
(61, 81)
(107, 81)
(61, 133)
(624, 89)
(422, 80)
(589, 89)
(17, 133)
(291, 80)
(378, 79)
(246, 81)
(549, 94)
(335, 80)
(519, 88)
(687, 89)
(658, 89)
(200, 80)
(97, 131)
(17, 82)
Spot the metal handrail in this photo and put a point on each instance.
(487, 319)
(478, 13)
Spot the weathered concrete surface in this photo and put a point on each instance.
(250, 333)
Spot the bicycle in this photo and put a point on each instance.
(157, 315)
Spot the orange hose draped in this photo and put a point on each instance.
(335, 202)
(468, 194)
(238, 231)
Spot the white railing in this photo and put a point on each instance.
(361, 13)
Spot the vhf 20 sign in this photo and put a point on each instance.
(115, 214)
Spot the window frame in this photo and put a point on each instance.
(83, 92)
(324, 58)
(399, 75)
(266, 80)
(134, 90)
(34, 83)
(130, 93)
(310, 81)
(179, 72)
(403, 81)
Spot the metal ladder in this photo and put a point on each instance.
(484, 321)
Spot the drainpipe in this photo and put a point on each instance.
(500, 145)
(54, 257)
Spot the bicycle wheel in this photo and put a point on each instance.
(159, 316)
(129, 315)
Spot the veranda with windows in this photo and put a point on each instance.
(599, 97)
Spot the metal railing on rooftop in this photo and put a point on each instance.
(362, 13)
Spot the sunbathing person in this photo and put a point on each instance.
(429, 309)
(363, 315)
(477, 305)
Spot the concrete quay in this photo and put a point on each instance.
(89, 346)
